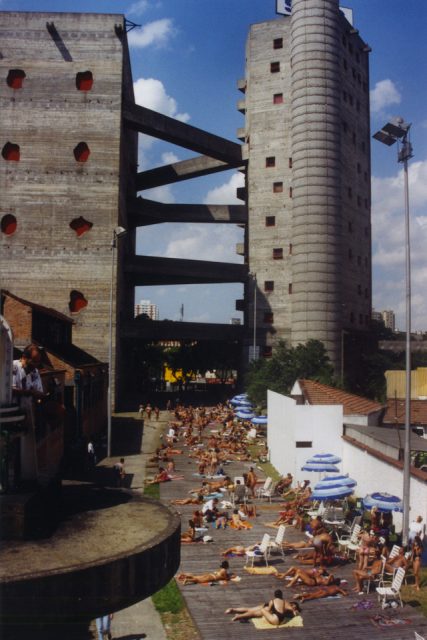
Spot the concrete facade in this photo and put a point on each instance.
(307, 134)
(66, 184)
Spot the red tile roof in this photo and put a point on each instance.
(395, 413)
(317, 393)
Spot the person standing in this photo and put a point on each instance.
(119, 472)
(103, 627)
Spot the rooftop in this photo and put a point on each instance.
(316, 393)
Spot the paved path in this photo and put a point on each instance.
(338, 618)
(141, 620)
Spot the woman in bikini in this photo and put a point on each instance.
(275, 612)
(322, 592)
(417, 552)
(214, 576)
(318, 576)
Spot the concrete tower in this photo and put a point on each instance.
(307, 134)
(65, 166)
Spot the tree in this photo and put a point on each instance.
(279, 372)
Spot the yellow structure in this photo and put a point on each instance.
(396, 383)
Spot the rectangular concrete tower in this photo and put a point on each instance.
(66, 165)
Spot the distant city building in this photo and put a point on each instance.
(387, 317)
(148, 308)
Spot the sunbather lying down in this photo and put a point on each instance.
(214, 576)
(321, 592)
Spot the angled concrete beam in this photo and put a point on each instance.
(184, 135)
(146, 329)
(142, 212)
(149, 270)
(183, 170)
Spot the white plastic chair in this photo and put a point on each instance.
(393, 590)
(277, 543)
(267, 482)
(417, 636)
(268, 493)
(351, 543)
(261, 552)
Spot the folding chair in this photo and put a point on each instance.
(277, 543)
(265, 487)
(261, 552)
(393, 590)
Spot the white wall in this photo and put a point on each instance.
(323, 426)
(373, 475)
(289, 423)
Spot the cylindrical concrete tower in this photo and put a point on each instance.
(316, 225)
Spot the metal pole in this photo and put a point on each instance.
(110, 349)
(255, 294)
(407, 447)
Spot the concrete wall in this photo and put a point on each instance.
(373, 474)
(319, 139)
(289, 423)
(44, 260)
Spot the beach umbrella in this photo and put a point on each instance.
(343, 481)
(259, 420)
(320, 467)
(243, 407)
(331, 492)
(328, 458)
(239, 399)
(384, 502)
(245, 415)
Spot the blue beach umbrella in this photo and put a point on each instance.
(343, 481)
(327, 458)
(259, 420)
(331, 492)
(320, 467)
(239, 399)
(244, 407)
(245, 415)
(384, 502)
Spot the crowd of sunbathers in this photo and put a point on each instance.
(317, 553)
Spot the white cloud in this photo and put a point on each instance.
(169, 157)
(388, 232)
(160, 194)
(157, 33)
(226, 193)
(138, 8)
(384, 94)
(151, 93)
(213, 242)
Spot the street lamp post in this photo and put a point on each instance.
(117, 233)
(397, 130)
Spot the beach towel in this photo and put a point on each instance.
(261, 623)
(384, 622)
(262, 571)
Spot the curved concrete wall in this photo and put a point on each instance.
(316, 300)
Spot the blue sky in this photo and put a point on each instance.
(186, 60)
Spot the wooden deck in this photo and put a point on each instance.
(326, 619)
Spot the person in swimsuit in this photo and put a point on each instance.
(417, 552)
(315, 577)
(371, 571)
(275, 611)
(214, 576)
(321, 592)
